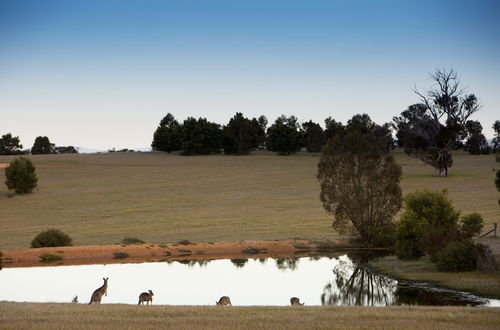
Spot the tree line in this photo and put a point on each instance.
(428, 130)
(11, 145)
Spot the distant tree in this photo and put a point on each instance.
(359, 182)
(168, 135)
(314, 136)
(429, 130)
(333, 128)
(65, 150)
(239, 135)
(476, 143)
(284, 136)
(10, 145)
(496, 139)
(21, 176)
(42, 145)
(259, 127)
(363, 124)
(201, 137)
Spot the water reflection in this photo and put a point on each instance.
(317, 280)
(354, 284)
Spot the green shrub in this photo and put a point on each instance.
(431, 222)
(471, 225)
(47, 257)
(410, 233)
(457, 256)
(21, 176)
(51, 237)
(120, 255)
(132, 240)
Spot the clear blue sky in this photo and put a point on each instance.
(102, 74)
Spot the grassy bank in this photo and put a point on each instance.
(66, 316)
(481, 283)
(159, 198)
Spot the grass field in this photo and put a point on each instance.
(70, 316)
(157, 197)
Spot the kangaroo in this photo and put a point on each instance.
(224, 301)
(294, 301)
(146, 297)
(97, 295)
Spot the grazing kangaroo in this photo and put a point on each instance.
(224, 301)
(146, 297)
(97, 295)
(294, 301)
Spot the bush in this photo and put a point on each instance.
(50, 238)
(435, 223)
(457, 256)
(132, 240)
(471, 225)
(21, 176)
(409, 237)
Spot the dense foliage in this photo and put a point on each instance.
(51, 237)
(240, 135)
(10, 145)
(284, 136)
(21, 176)
(428, 223)
(201, 137)
(168, 135)
(42, 145)
(360, 185)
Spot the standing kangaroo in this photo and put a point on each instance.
(146, 297)
(97, 295)
(294, 301)
(224, 301)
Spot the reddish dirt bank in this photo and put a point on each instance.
(109, 254)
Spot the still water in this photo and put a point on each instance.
(340, 280)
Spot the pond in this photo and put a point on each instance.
(338, 280)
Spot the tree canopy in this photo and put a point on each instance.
(240, 135)
(359, 182)
(284, 136)
(42, 145)
(10, 145)
(201, 137)
(168, 135)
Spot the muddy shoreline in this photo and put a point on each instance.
(136, 253)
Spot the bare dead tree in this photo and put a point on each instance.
(430, 129)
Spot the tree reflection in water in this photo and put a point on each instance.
(287, 263)
(355, 285)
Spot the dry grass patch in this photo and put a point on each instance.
(66, 316)
(101, 198)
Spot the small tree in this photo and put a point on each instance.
(168, 135)
(471, 225)
(21, 176)
(496, 139)
(360, 185)
(42, 145)
(476, 143)
(10, 145)
(284, 136)
(51, 238)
